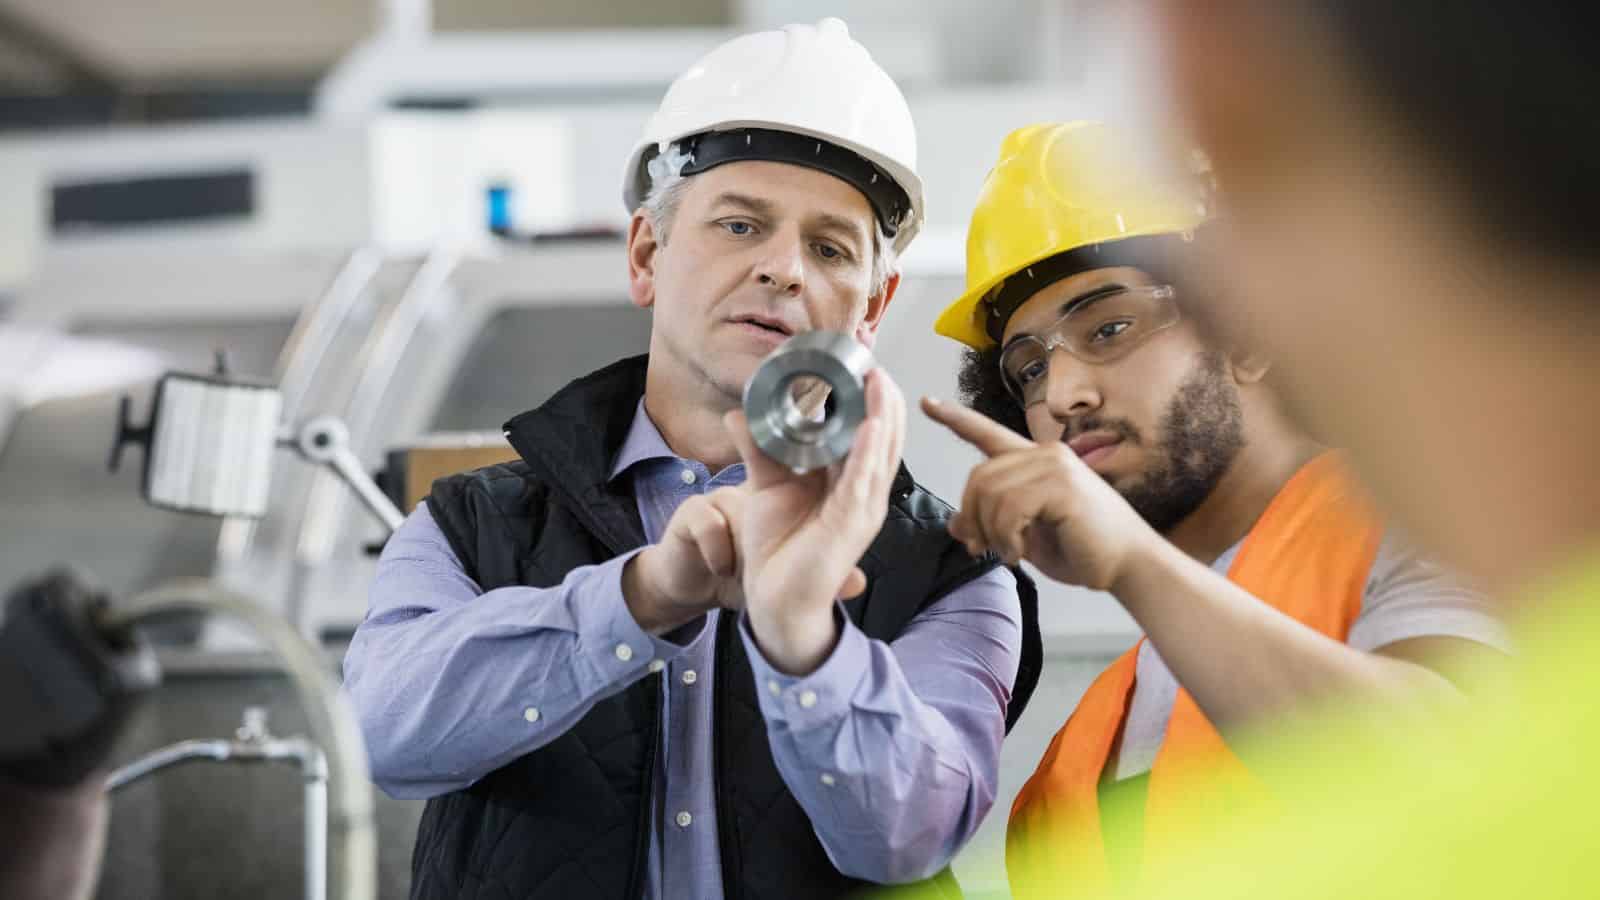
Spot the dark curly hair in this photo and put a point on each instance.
(982, 387)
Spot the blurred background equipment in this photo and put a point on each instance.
(67, 682)
(404, 215)
(409, 471)
(208, 447)
(68, 687)
(253, 743)
(70, 670)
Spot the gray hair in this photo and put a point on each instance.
(667, 184)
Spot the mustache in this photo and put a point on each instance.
(1122, 428)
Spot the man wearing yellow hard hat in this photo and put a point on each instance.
(1131, 451)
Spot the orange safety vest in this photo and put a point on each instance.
(1309, 556)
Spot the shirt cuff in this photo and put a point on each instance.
(815, 700)
(609, 637)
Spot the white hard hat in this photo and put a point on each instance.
(750, 98)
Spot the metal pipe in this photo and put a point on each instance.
(306, 757)
(349, 468)
(331, 721)
(299, 361)
(315, 330)
(378, 360)
(325, 441)
(315, 773)
(183, 751)
(408, 21)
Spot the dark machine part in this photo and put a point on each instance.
(67, 684)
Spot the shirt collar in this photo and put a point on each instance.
(644, 442)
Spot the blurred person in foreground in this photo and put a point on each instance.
(1130, 452)
(619, 667)
(1411, 191)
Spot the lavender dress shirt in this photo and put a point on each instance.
(892, 749)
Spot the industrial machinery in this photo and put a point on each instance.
(72, 667)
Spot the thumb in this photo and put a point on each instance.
(854, 584)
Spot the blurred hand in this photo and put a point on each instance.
(693, 569)
(1040, 502)
(800, 535)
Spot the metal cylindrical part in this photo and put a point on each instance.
(183, 751)
(807, 398)
(316, 825)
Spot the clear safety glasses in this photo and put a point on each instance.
(1099, 330)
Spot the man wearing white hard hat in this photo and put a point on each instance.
(646, 660)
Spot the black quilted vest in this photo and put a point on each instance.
(571, 819)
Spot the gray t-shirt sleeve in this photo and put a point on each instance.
(1409, 596)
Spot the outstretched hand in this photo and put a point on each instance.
(800, 535)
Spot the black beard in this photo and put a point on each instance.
(1201, 434)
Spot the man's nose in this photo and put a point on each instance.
(1071, 389)
(783, 268)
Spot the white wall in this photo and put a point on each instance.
(976, 42)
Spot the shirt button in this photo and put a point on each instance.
(689, 677)
(684, 819)
(657, 665)
(773, 688)
(531, 714)
(808, 699)
(687, 476)
(624, 652)
(827, 779)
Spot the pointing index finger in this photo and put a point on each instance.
(977, 429)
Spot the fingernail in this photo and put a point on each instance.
(933, 401)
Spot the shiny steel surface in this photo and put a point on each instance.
(792, 430)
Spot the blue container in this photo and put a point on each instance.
(498, 198)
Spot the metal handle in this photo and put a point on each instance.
(127, 432)
(326, 441)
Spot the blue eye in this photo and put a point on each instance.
(738, 228)
(827, 252)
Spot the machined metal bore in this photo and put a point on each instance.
(807, 398)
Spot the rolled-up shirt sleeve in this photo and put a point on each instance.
(450, 682)
(893, 749)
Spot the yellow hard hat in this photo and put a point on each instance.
(1061, 187)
